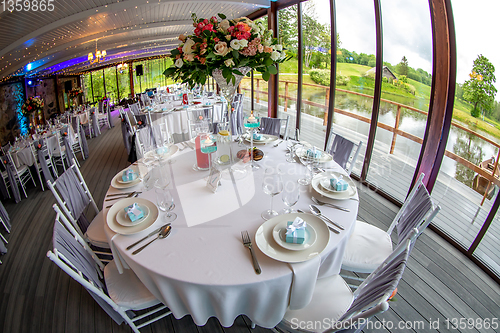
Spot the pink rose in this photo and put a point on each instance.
(189, 57)
(200, 25)
(197, 31)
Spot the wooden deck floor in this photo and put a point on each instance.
(36, 296)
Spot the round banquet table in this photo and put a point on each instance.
(203, 269)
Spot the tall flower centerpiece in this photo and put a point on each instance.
(74, 93)
(226, 50)
(33, 108)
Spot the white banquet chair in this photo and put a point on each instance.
(21, 174)
(73, 196)
(345, 152)
(368, 245)
(334, 307)
(120, 295)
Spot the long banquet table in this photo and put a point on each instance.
(203, 269)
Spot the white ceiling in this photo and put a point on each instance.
(32, 42)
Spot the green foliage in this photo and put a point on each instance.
(402, 67)
(320, 76)
(480, 89)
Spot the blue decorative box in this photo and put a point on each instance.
(257, 136)
(134, 212)
(313, 153)
(338, 184)
(297, 237)
(129, 175)
(162, 150)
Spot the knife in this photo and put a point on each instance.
(127, 196)
(123, 193)
(328, 225)
(133, 195)
(155, 232)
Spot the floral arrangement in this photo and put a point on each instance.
(73, 93)
(219, 43)
(32, 104)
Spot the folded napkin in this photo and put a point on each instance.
(296, 231)
(129, 175)
(338, 183)
(134, 212)
(305, 275)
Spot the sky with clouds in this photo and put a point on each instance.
(407, 31)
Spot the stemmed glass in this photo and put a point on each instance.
(290, 145)
(165, 202)
(307, 160)
(208, 146)
(252, 124)
(290, 196)
(272, 185)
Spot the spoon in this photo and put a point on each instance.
(329, 226)
(315, 211)
(164, 232)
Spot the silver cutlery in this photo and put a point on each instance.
(123, 197)
(329, 226)
(120, 194)
(133, 195)
(164, 232)
(248, 244)
(277, 144)
(146, 237)
(315, 211)
(321, 203)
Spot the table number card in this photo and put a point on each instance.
(213, 181)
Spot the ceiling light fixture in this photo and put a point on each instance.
(99, 55)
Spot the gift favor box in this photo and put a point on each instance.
(313, 153)
(257, 136)
(129, 175)
(297, 237)
(338, 184)
(134, 212)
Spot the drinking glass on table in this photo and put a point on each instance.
(165, 202)
(307, 158)
(290, 196)
(272, 184)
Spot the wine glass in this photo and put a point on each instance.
(290, 145)
(165, 202)
(272, 185)
(290, 196)
(307, 158)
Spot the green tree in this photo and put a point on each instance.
(479, 90)
(402, 67)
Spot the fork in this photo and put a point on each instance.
(248, 243)
(321, 203)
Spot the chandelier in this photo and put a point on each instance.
(122, 67)
(99, 55)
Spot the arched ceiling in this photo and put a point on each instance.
(38, 43)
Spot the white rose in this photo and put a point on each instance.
(275, 55)
(179, 63)
(224, 25)
(243, 43)
(229, 62)
(277, 47)
(187, 48)
(266, 42)
(221, 49)
(235, 44)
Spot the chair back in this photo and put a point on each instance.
(144, 141)
(4, 217)
(371, 298)
(196, 116)
(417, 211)
(273, 126)
(73, 196)
(345, 152)
(73, 256)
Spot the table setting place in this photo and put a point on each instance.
(192, 245)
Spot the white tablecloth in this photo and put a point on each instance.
(202, 268)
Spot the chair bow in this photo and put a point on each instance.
(298, 224)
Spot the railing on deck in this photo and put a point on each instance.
(394, 129)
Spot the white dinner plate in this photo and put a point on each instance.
(266, 139)
(122, 218)
(172, 150)
(279, 235)
(325, 157)
(325, 184)
(111, 218)
(119, 185)
(344, 195)
(266, 243)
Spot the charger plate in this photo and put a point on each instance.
(265, 241)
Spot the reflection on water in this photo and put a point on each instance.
(460, 142)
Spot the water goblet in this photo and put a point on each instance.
(272, 185)
(165, 202)
(307, 158)
(290, 196)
